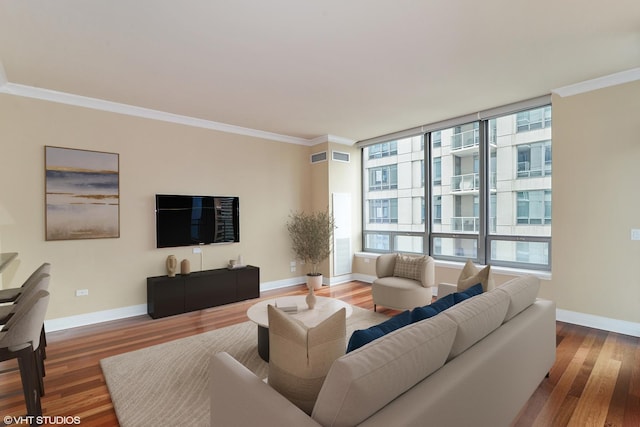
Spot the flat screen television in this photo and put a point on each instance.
(183, 220)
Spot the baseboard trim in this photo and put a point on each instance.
(599, 322)
(63, 323)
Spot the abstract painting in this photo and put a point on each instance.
(82, 194)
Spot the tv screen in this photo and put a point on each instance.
(196, 220)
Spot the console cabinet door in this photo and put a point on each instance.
(248, 283)
(209, 289)
(165, 296)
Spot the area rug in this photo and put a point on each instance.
(167, 384)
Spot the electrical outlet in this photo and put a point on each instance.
(82, 292)
(293, 269)
(197, 250)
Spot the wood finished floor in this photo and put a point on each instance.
(594, 382)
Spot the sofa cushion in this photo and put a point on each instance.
(361, 337)
(362, 382)
(409, 267)
(300, 357)
(476, 318)
(468, 293)
(470, 275)
(522, 291)
(441, 304)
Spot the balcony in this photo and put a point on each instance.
(465, 140)
(465, 224)
(465, 183)
(470, 182)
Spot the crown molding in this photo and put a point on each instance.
(599, 83)
(131, 110)
(331, 138)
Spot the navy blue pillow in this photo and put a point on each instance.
(421, 313)
(365, 336)
(468, 293)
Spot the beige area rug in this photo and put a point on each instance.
(167, 384)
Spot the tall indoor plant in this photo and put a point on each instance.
(312, 238)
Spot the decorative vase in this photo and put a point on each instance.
(311, 298)
(172, 265)
(185, 267)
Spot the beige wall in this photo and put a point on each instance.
(596, 203)
(272, 179)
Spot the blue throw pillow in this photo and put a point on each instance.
(421, 313)
(468, 293)
(361, 337)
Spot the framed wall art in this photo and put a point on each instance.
(82, 194)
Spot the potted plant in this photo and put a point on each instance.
(312, 238)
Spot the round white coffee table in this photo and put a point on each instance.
(324, 308)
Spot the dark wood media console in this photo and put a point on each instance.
(167, 296)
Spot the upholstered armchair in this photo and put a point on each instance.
(403, 282)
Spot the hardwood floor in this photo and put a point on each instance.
(594, 382)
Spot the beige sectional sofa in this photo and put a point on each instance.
(476, 363)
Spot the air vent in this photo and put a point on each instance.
(319, 157)
(339, 156)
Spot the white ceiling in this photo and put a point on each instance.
(352, 68)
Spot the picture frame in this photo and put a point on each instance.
(82, 194)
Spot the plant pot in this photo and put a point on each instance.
(314, 282)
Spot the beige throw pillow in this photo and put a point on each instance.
(300, 357)
(409, 267)
(472, 275)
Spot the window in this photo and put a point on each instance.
(534, 119)
(385, 149)
(534, 207)
(437, 209)
(383, 178)
(394, 212)
(534, 159)
(437, 171)
(383, 211)
(487, 187)
(436, 137)
(520, 219)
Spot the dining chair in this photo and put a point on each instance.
(20, 339)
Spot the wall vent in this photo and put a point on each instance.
(319, 157)
(339, 156)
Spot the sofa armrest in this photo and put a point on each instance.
(239, 398)
(445, 289)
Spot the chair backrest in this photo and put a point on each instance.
(385, 264)
(24, 327)
(33, 286)
(43, 269)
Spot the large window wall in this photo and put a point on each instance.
(488, 183)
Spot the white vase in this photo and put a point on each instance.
(310, 298)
